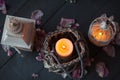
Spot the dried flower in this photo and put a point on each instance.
(101, 69)
(110, 50)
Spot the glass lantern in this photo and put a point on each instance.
(102, 30)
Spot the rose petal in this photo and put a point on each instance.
(101, 69)
(38, 58)
(37, 15)
(38, 22)
(66, 22)
(110, 50)
(10, 53)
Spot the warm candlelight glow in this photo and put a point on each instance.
(100, 34)
(64, 47)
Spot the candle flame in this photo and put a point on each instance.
(100, 33)
(63, 46)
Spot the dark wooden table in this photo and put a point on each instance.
(84, 11)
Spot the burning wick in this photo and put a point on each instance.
(99, 36)
(64, 47)
(100, 33)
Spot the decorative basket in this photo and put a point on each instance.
(54, 63)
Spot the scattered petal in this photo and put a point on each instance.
(40, 57)
(102, 70)
(110, 50)
(76, 73)
(64, 75)
(37, 15)
(38, 22)
(66, 22)
(10, 53)
(34, 75)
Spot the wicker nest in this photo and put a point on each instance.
(57, 64)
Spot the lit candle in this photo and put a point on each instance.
(99, 35)
(64, 47)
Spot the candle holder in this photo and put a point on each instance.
(65, 65)
(102, 30)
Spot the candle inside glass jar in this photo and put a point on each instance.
(64, 47)
(99, 36)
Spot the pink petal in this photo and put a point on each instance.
(110, 50)
(10, 53)
(101, 69)
(38, 58)
(66, 22)
(37, 14)
(38, 22)
(34, 75)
